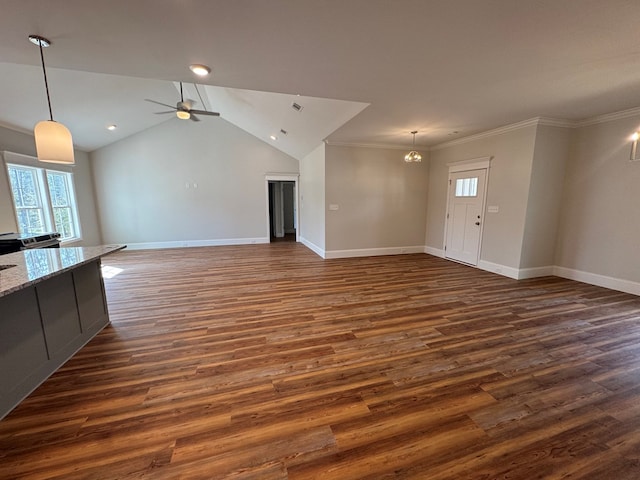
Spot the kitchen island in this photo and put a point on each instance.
(52, 302)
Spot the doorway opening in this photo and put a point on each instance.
(282, 207)
(282, 220)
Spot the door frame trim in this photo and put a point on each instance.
(283, 177)
(471, 164)
(480, 163)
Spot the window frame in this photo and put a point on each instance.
(40, 173)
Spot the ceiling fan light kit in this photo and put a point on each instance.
(413, 156)
(183, 109)
(54, 143)
(183, 114)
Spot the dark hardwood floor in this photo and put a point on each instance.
(267, 362)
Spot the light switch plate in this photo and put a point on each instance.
(334, 206)
(493, 209)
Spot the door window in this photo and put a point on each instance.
(467, 187)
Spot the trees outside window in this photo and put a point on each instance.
(44, 201)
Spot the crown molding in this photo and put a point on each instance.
(557, 122)
(8, 126)
(609, 117)
(544, 121)
(488, 133)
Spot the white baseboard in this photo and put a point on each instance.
(621, 285)
(516, 273)
(196, 243)
(372, 252)
(312, 246)
(499, 269)
(436, 252)
(535, 272)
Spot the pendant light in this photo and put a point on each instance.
(413, 156)
(53, 140)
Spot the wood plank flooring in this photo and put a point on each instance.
(267, 362)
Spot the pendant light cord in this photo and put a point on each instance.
(46, 84)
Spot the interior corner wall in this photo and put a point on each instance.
(375, 200)
(24, 144)
(511, 155)
(600, 215)
(545, 196)
(312, 199)
(186, 182)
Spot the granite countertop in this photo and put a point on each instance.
(35, 265)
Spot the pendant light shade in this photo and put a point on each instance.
(413, 155)
(53, 140)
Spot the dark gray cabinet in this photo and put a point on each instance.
(43, 325)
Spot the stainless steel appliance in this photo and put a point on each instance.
(14, 242)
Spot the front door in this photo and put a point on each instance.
(465, 215)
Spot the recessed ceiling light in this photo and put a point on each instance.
(273, 137)
(112, 127)
(200, 70)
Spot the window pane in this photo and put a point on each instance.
(467, 187)
(25, 190)
(64, 221)
(58, 189)
(62, 204)
(31, 220)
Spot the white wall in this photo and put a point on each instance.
(312, 200)
(381, 199)
(24, 144)
(600, 218)
(545, 197)
(511, 155)
(183, 183)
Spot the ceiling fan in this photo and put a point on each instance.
(183, 109)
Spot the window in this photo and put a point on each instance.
(44, 201)
(467, 187)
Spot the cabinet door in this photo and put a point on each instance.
(92, 305)
(57, 299)
(22, 347)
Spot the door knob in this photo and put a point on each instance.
(477, 223)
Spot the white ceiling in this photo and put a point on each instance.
(434, 66)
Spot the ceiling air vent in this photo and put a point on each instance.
(283, 131)
(296, 106)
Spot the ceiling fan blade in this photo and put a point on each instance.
(204, 112)
(159, 103)
(168, 111)
(194, 118)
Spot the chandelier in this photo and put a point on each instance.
(413, 155)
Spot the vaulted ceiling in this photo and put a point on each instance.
(383, 67)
